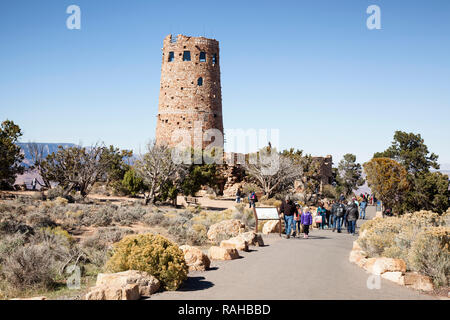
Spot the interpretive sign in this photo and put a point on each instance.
(266, 213)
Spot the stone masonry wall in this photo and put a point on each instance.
(184, 100)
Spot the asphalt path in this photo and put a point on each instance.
(296, 268)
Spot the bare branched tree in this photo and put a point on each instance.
(156, 168)
(272, 172)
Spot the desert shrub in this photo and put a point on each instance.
(23, 200)
(59, 232)
(47, 205)
(126, 216)
(271, 202)
(153, 218)
(38, 260)
(61, 201)
(40, 220)
(29, 266)
(54, 193)
(430, 254)
(188, 233)
(10, 225)
(4, 207)
(380, 235)
(246, 215)
(153, 254)
(421, 239)
(194, 209)
(102, 217)
(98, 246)
(38, 196)
(9, 244)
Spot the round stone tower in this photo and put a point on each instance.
(190, 94)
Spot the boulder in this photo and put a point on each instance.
(147, 284)
(358, 257)
(368, 264)
(225, 229)
(195, 258)
(356, 246)
(114, 292)
(218, 253)
(271, 226)
(382, 265)
(418, 281)
(237, 243)
(252, 238)
(396, 276)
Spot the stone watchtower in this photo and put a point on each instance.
(190, 93)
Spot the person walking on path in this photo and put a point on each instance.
(322, 212)
(362, 209)
(252, 199)
(342, 198)
(306, 221)
(352, 216)
(297, 221)
(333, 215)
(238, 195)
(288, 208)
(327, 207)
(340, 213)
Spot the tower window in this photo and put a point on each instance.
(200, 81)
(214, 59)
(186, 56)
(202, 56)
(171, 56)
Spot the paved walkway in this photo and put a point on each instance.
(315, 268)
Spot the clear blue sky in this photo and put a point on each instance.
(310, 68)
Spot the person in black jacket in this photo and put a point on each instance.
(333, 215)
(352, 217)
(288, 208)
(340, 213)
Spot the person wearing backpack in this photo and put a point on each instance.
(340, 213)
(297, 220)
(306, 221)
(289, 209)
(252, 199)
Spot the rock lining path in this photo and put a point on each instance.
(315, 268)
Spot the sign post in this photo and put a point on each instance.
(266, 213)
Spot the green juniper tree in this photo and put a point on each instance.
(429, 189)
(10, 154)
(349, 177)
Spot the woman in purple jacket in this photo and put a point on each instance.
(306, 221)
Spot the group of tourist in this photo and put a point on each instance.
(332, 216)
(368, 198)
(252, 198)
